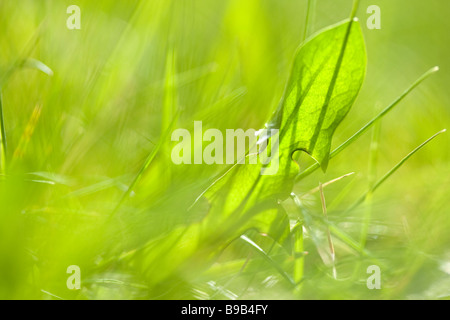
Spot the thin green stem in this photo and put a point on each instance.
(298, 246)
(393, 170)
(373, 160)
(398, 165)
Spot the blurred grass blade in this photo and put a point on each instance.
(3, 144)
(170, 91)
(38, 65)
(298, 251)
(309, 225)
(268, 259)
(354, 8)
(21, 148)
(361, 131)
(309, 20)
(393, 170)
(146, 164)
(52, 295)
(326, 184)
(27, 51)
(373, 162)
(330, 240)
(26, 63)
(396, 167)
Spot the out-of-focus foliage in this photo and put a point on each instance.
(84, 109)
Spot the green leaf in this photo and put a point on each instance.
(368, 125)
(326, 77)
(327, 74)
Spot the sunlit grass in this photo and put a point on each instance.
(87, 177)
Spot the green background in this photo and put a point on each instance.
(116, 86)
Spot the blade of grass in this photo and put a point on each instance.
(170, 105)
(326, 184)
(393, 170)
(341, 235)
(259, 250)
(22, 58)
(52, 295)
(373, 160)
(335, 231)
(361, 131)
(298, 246)
(21, 148)
(354, 9)
(146, 164)
(330, 240)
(39, 65)
(343, 193)
(235, 276)
(3, 138)
(306, 218)
(170, 93)
(309, 20)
